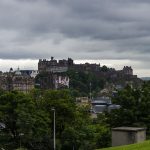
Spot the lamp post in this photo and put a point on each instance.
(20, 135)
(53, 109)
(90, 92)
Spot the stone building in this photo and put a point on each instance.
(14, 80)
(61, 81)
(63, 66)
(87, 67)
(49, 80)
(83, 101)
(52, 73)
(4, 82)
(127, 135)
(117, 77)
(127, 70)
(31, 73)
(45, 80)
(60, 66)
(54, 66)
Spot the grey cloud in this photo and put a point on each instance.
(81, 29)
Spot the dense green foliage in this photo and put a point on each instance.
(25, 123)
(135, 108)
(29, 122)
(81, 82)
(28, 118)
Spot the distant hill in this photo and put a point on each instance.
(145, 78)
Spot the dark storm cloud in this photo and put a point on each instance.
(105, 29)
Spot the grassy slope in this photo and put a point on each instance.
(140, 146)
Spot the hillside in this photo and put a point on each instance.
(145, 78)
(140, 146)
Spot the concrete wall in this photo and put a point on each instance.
(127, 136)
(140, 136)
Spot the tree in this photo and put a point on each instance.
(134, 111)
(29, 122)
(25, 124)
(104, 68)
(81, 81)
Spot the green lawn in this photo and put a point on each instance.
(140, 146)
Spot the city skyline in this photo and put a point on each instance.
(113, 33)
(33, 64)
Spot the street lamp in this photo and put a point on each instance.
(53, 109)
(20, 135)
(90, 92)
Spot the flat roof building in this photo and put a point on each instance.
(127, 135)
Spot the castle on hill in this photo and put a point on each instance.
(51, 74)
(118, 77)
(60, 66)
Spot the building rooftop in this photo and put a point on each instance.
(102, 100)
(134, 129)
(99, 108)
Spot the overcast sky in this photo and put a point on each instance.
(111, 32)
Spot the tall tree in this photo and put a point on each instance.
(24, 124)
